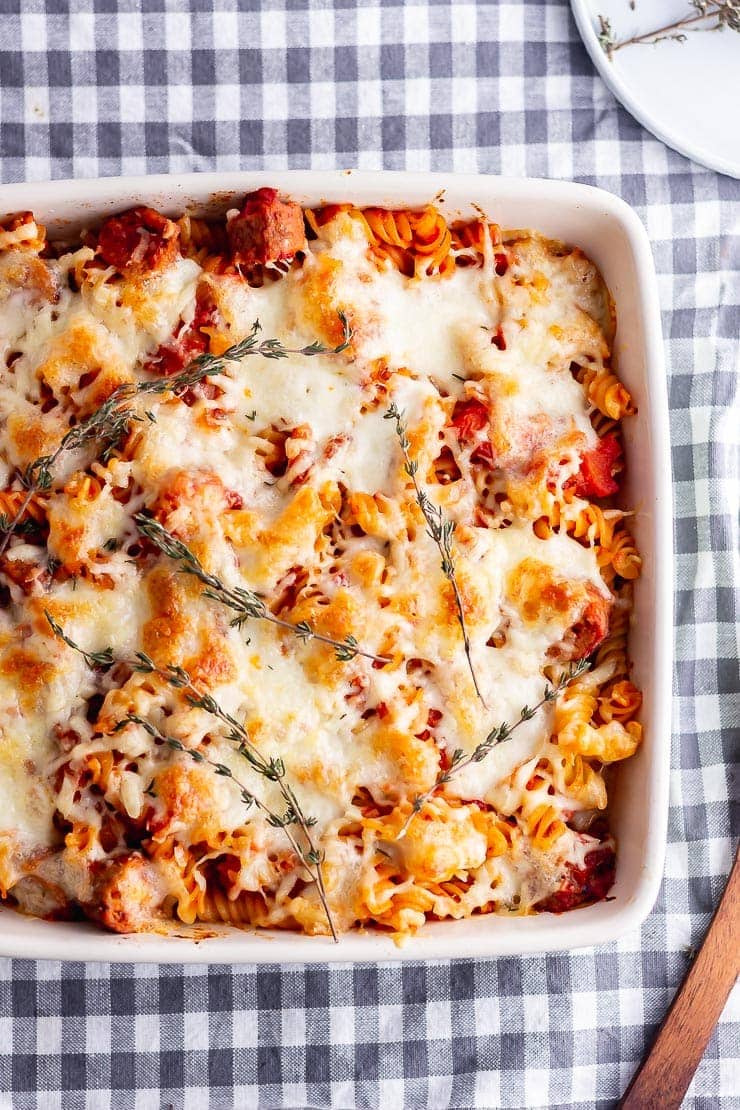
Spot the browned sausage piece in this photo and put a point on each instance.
(588, 631)
(139, 241)
(266, 230)
(126, 895)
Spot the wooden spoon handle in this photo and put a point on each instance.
(664, 1076)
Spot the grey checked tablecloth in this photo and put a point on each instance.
(143, 86)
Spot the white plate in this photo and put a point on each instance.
(686, 93)
(610, 232)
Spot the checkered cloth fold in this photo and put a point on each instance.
(136, 87)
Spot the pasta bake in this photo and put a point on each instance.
(315, 582)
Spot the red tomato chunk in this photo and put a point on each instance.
(590, 883)
(469, 417)
(188, 342)
(598, 467)
(266, 230)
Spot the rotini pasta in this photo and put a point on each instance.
(607, 394)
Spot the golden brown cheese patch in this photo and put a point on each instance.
(32, 434)
(23, 270)
(29, 674)
(10, 869)
(369, 568)
(376, 514)
(294, 535)
(183, 631)
(540, 595)
(240, 527)
(84, 355)
(338, 617)
(213, 663)
(414, 762)
(20, 230)
(320, 304)
(185, 794)
(443, 842)
(82, 519)
(173, 599)
(62, 611)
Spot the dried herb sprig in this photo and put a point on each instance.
(272, 769)
(497, 735)
(441, 531)
(110, 423)
(245, 603)
(725, 13)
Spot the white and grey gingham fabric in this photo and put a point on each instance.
(146, 86)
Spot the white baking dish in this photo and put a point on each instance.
(610, 232)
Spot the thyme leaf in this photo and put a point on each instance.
(270, 768)
(724, 13)
(439, 530)
(109, 424)
(20, 527)
(94, 659)
(498, 735)
(245, 603)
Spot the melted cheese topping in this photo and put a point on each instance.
(287, 479)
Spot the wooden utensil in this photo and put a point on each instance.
(664, 1076)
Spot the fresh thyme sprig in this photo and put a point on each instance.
(279, 821)
(273, 348)
(93, 659)
(497, 735)
(272, 769)
(21, 528)
(245, 603)
(439, 530)
(725, 13)
(110, 423)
